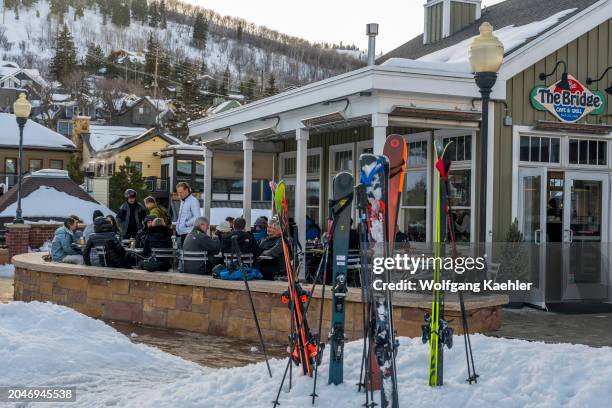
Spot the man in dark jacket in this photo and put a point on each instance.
(271, 260)
(157, 236)
(199, 241)
(130, 215)
(146, 224)
(114, 256)
(246, 241)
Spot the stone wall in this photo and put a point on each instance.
(206, 305)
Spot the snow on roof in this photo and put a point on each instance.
(133, 57)
(8, 64)
(46, 173)
(510, 36)
(457, 67)
(229, 104)
(8, 70)
(127, 99)
(160, 104)
(48, 202)
(34, 134)
(58, 97)
(108, 137)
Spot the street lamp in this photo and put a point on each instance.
(22, 109)
(486, 54)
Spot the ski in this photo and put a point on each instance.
(436, 330)
(375, 176)
(450, 232)
(342, 192)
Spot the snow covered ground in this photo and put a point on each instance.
(43, 344)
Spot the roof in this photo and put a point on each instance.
(105, 139)
(50, 194)
(514, 13)
(34, 135)
(223, 106)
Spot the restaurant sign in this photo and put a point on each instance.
(568, 105)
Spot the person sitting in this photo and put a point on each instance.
(230, 221)
(313, 232)
(260, 230)
(114, 255)
(155, 210)
(198, 240)
(89, 229)
(130, 215)
(113, 222)
(158, 235)
(246, 241)
(146, 224)
(62, 249)
(271, 258)
(401, 237)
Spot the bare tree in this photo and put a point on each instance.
(110, 91)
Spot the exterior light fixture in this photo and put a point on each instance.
(564, 82)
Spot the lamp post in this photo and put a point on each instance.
(22, 109)
(486, 53)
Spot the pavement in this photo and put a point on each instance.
(594, 329)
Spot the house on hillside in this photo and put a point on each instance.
(145, 111)
(12, 76)
(105, 148)
(549, 164)
(42, 149)
(49, 195)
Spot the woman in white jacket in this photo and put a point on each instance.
(188, 212)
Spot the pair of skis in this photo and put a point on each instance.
(436, 329)
(379, 192)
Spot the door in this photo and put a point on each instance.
(585, 236)
(532, 222)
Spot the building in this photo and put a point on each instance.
(548, 166)
(105, 148)
(49, 195)
(42, 149)
(145, 111)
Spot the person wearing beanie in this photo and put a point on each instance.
(130, 215)
(89, 229)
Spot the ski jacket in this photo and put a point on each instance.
(61, 246)
(188, 212)
(246, 243)
(156, 237)
(159, 212)
(197, 241)
(104, 235)
(124, 214)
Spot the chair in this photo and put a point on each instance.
(230, 258)
(100, 254)
(198, 256)
(163, 253)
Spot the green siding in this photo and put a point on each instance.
(461, 15)
(434, 22)
(587, 56)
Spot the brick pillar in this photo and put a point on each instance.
(17, 239)
(39, 233)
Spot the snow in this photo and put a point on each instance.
(7, 271)
(223, 106)
(50, 173)
(102, 137)
(49, 202)
(34, 134)
(510, 36)
(451, 67)
(219, 214)
(109, 370)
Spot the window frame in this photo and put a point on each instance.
(61, 161)
(291, 179)
(42, 164)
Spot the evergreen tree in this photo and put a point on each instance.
(78, 11)
(250, 89)
(154, 17)
(200, 31)
(150, 57)
(271, 88)
(140, 10)
(64, 61)
(242, 88)
(239, 32)
(120, 13)
(94, 59)
(162, 15)
(224, 87)
(75, 168)
(58, 8)
(126, 177)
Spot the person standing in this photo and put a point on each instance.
(130, 215)
(188, 211)
(156, 210)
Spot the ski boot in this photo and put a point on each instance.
(445, 333)
(426, 329)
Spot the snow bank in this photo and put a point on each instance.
(7, 271)
(49, 202)
(510, 36)
(49, 345)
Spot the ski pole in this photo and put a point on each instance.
(238, 254)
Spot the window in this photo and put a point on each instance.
(56, 164)
(10, 166)
(343, 161)
(183, 171)
(460, 181)
(289, 166)
(100, 169)
(540, 149)
(313, 183)
(414, 198)
(141, 110)
(136, 166)
(459, 149)
(64, 127)
(588, 152)
(313, 164)
(35, 165)
(199, 176)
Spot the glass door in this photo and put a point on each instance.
(585, 236)
(532, 223)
